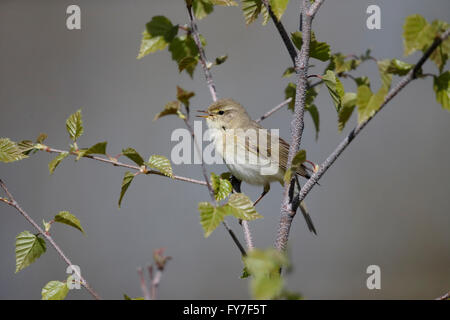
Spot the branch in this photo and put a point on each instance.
(282, 31)
(287, 211)
(444, 297)
(116, 163)
(203, 60)
(273, 110)
(143, 283)
(13, 203)
(349, 138)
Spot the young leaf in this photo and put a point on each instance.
(26, 146)
(133, 155)
(441, 86)
(202, 8)
(210, 217)
(348, 105)
(220, 60)
(10, 151)
(66, 217)
(317, 50)
(362, 81)
(55, 290)
(184, 96)
(242, 207)
(172, 107)
(251, 10)
(128, 177)
(290, 92)
(188, 63)
(29, 247)
(278, 7)
(288, 72)
(226, 3)
(314, 113)
(221, 187)
(386, 77)
(158, 34)
(41, 137)
(98, 148)
(74, 125)
(56, 161)
(342, 64)
(398, 67)
(160, 163)
(335, 88)
(412, 29)
(369, 103)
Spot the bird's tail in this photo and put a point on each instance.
(307, 217)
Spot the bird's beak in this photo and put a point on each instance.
(203, 115)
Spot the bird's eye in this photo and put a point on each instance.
(221, 112)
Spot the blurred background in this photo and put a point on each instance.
(384, 202)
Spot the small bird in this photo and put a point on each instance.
(230, 123)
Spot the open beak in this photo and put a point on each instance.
(203, 115)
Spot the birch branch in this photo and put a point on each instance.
(13, 203)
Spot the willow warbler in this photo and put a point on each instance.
(252, 154)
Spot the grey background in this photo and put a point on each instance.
(385, 201)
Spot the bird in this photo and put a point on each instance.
(232, 131)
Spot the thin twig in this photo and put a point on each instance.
(125, 165)
(273, 110)
(212, 89)
(413, 74)
(444, 297)
(203, 60)
(143, 283)
(13, 203)
(282, 31)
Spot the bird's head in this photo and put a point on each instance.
(225, 114)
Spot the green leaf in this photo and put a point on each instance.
(362, 81)
(441, 86)
(10, 151)
(188, 64)
(251, 10)
(160, 26)
(202, 8)
(441, 53)
(184, 48)
(160, 163)
(348, 105)
(264, 266)
(133, 155)
(158, 34)
(55, 290)
(242, 207)
(297, 161)
(211, 217)
(26, 146)
(342, 64)
(98, 148)
(225, 3)
(369, 103)
(317, 50)
(386, 78)
(74, 125)
(314, 113)
(29, 247)
(184, 96)
(56, 161)
(290, 92)
(41, 137)
(288, 72)
(220, 60)
(172, 107)
(278, 7)
(127, 297)
(398, 67)
(412, 33)
(222, 188)
(128, 177)
(66, 217)
(335, 88)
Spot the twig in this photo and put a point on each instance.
(203, 60)
(13, 203)
(282, 31)
(287, 211)
(143, 283)
(125, 165)
(444, 297)
(413, 74)
(212, 89)
(273, 110)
